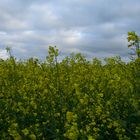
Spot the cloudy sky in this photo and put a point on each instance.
(96, 28)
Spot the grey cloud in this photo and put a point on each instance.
(97, 28)
(3, 54)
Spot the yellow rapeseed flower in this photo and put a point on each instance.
(69, 116)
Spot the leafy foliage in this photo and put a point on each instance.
(134, 41)
(72, 99)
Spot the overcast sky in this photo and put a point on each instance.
(96, 28)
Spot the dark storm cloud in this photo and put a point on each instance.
(95, 27)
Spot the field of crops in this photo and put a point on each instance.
(72, 100)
